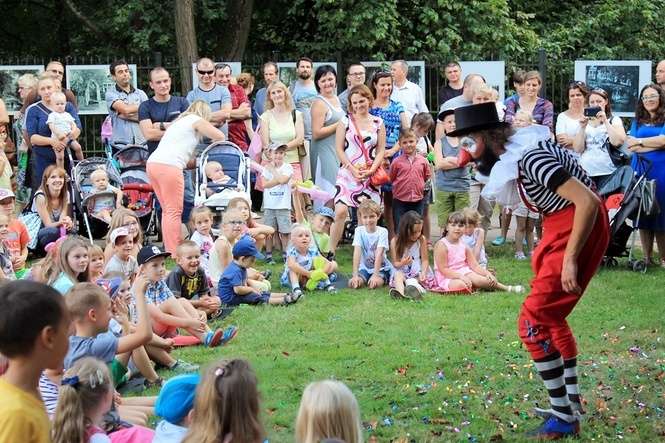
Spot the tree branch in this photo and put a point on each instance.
(84, 19)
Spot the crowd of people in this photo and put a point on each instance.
(368, 150)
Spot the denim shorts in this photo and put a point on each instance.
(384, 273)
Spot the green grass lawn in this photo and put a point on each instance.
(452, 368)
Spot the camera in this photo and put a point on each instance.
(592, 112)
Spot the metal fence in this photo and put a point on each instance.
(556, 75)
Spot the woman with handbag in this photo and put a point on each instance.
(360, 142)
(647, 137)
(599, 135)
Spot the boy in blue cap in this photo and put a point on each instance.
(233, 288)
(174, 405)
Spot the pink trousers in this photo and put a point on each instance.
(169, 185)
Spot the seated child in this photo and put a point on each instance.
(215, 174)
(231, 386)
(71, 263)
(410, 258)
(169, 313)
(370, 243)
(259, 232)
(122, 260)
(61, 123)
(103, 207)
(34, 326)
(300, 265)
(233, 285)
(276, 177)
(127, 218)
(96, 263)
(474, 236)
(233, 227)
(6, 269)
(320, 225)
(174, 405)
(18, 236)
(200, 220)
(455, 266)
(328, 410)
(189, 280)
(86, 395)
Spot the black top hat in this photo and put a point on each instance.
(474, 118)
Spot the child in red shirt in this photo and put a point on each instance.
(408, 174)
(18, 237)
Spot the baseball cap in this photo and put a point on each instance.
(245, 247)
(6, 193)
(176, 398)
(149, 252)
(276, 146)
(122, 231)
(326, 212)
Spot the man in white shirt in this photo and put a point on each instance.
(406, 92)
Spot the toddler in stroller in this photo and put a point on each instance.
(216, 176)
(104, 198)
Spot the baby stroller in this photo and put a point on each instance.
(140, 197)
(85, 200)
(638, 201)
(236, 165)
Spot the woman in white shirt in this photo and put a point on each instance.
(591, 144)
(174, 154)
(568, 122)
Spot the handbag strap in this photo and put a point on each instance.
(360, 138)
(525, 200)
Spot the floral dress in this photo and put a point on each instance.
(350, 191)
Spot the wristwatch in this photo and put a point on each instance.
(161, 126)
(639, 142)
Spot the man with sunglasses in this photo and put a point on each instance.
(123, 101)
(57, 70)
(218, 97)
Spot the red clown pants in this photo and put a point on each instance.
(542, 321)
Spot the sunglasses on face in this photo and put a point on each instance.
(211, 72)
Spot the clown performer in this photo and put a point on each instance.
(525, 164)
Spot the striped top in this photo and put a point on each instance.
(49, 392)
(543, 170)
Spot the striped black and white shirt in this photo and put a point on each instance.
(543, 170)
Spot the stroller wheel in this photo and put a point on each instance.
(639, 266)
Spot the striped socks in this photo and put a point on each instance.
(570, 377)
(551, 370)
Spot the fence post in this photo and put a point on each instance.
(157, 55)
(542, 67)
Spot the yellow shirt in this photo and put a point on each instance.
(22, 416)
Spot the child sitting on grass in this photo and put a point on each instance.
(259, 232)
(320, 225)
(96, 263)
(370, 243)
(474, 236)
(169, 313)
(216, 175)
(127, 218)
(122, 260)
(34, 325)
(234, 288)
(6, 268)
(200, 221)
(410, 258)
(71, 264)
(231, 387)
(233, 228)
(175, 405)
(189, 280)
(455, 266)
(328, 410)
(103, 206)
(300, 263)
(18, 236)
(86, 395)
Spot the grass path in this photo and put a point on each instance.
(452, 368)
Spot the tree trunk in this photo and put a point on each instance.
(185, 32)
(236, 30)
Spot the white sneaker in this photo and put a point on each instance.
(517, 289)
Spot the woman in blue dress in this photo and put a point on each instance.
(394, 118)
(647, 138)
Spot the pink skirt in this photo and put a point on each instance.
(442, 283)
